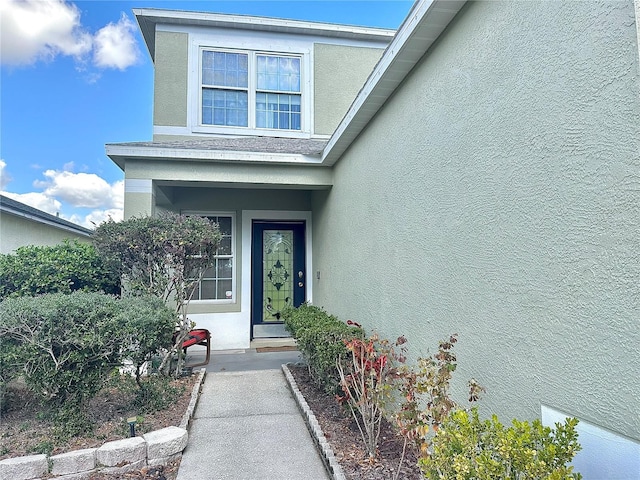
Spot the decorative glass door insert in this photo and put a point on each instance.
(278, 272)
(277, 268)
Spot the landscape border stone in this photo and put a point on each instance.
(117, 457)
(326, 452)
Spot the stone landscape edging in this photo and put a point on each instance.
(326, 452)
(120, 456)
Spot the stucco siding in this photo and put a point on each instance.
(497, 195)
(339, 74)
(170, 87)
(18, 232)
(300, 176)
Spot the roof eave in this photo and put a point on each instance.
(120, 154)
(422, 27)
(148, 18)
(13, 207)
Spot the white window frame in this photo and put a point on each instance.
(233, 256)
(252, 89)
(265, 43)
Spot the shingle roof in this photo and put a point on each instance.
(8, 205)
(300, 146)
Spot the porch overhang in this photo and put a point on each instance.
(274, 163)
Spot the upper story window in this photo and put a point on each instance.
(249, 89)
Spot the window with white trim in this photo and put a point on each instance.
(250, 89)
(218, 280)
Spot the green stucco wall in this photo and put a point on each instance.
(299, 176)
(18, 232)
(497, 195)
(339, 74)
(170, 83)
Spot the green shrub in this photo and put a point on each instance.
(156, 393)
(10, 365)
(61, 268)
(65, 345)
(148, 327)
(320, 338)
(164, 255)
(466, 448)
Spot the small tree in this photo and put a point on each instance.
(63, 268)
(164, 256)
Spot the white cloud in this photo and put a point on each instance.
(115, 45)
(41, 201)
(96, 217)
(4, 176)
(32, 30)
(82, 189)
(40, 29)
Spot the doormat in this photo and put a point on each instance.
(284, 348)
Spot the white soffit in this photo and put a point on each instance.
(424, 24)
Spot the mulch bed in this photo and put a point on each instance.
(343, 435)
(22, 431)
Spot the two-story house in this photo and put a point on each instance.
(243, 108)
(478, 175)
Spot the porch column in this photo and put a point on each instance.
(139, 198)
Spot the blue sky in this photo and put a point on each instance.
(76, 75)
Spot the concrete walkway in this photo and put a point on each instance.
(247, 425)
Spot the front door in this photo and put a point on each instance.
(278, 274)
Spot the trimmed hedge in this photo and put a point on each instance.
(320, 338)
(65, 268)
(65, 345)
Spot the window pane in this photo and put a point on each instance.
(278, 111)
(224, 107)
(225, 246)
(278, 73)
(224, 268)
(208, 290)
(224, 289)
(224, 69)
(295, 121)
(209, 273)
(224, 224)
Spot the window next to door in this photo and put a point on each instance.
(218, 283)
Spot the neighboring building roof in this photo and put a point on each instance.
(148, 18)
(218, 148)
(8, 205)
(423, 25)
